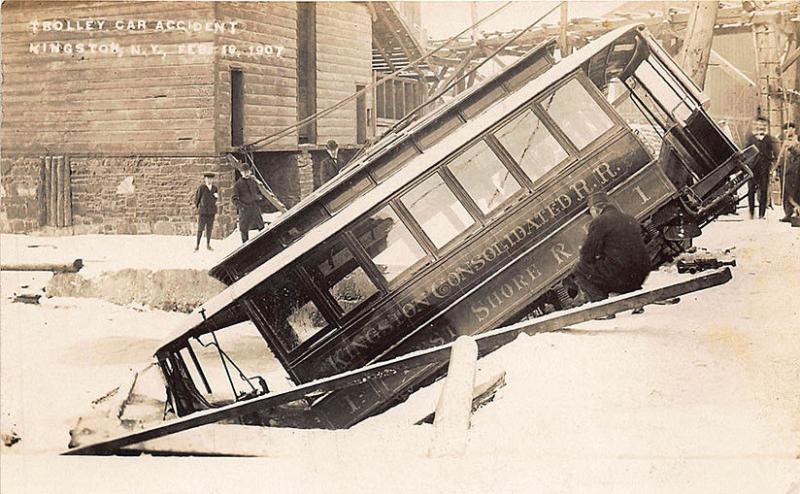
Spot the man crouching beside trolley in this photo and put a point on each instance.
(613, 256)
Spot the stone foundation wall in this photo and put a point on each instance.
(120, 195)
(143, 195)
(19, 206)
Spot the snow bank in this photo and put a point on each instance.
(166, 289)
(695, 397)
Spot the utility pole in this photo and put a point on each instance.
(693, 57)
(563, 41)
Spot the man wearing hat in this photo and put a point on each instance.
(759, 184)
(330, 165)
(205, 200)
(613, 256)
(246, 196)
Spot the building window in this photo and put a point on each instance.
(389, 243)
(577, 114)
(237, 108)
(531, 145)
(487, 181)
(437, 210)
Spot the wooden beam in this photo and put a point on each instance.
(52, 210)
(41, 190)
(696, 50)
(379, 45)
(60, 191)
(399, 39)
(454, 408)
(457, 71)
(790, 59)
(563, 41)
(729, 68)
(67, 191)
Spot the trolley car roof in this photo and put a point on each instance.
(600, 59)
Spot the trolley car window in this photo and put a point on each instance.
(531, 145)
(660, 85)
(338, 272)
(389, 243)
(306, 320)
(437, 210)
(484, 177)
(578, 115)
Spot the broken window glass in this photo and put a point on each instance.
(531, 145)
(437, 210)
(484, 177)
(339, 272)
(578, 115)
(306, 320)
(227, 365)
(389, 243)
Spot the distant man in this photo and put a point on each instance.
(791, 173)
(205, 200)
(762, 165)
(330, 165)
(613, 256)
(246, 196)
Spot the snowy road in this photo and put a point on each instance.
(703, 396)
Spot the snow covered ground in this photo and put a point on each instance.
(703, 396)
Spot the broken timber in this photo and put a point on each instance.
(72, 267)
(487, 342)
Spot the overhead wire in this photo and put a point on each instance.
(287, 130)
(466, 74)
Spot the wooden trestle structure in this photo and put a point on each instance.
(775, 26)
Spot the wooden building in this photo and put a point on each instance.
(113, 110)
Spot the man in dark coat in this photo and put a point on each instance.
(791, 173)
(330, 166)
(246, 196)
(205, 200)
(613, 256)
(761, 166)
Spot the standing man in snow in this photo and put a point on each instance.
(791, 173)
(761, 167)
(613, 256)
(330, 165)
(205, 200)
(246, 196)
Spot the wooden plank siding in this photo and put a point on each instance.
(178, 104)
(344, 54)
(733, 99)
(103, 103)
(270, 82)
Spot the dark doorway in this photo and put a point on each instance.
(361, 115)
(306, 70)
(237, 107)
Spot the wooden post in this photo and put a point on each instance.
(563, 41)
(696, 50)
(52, 187)
(59, 191)
(41, 191)
(473, 17)
(67, 192)
(453, 411)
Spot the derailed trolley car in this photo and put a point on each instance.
(466, 220)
